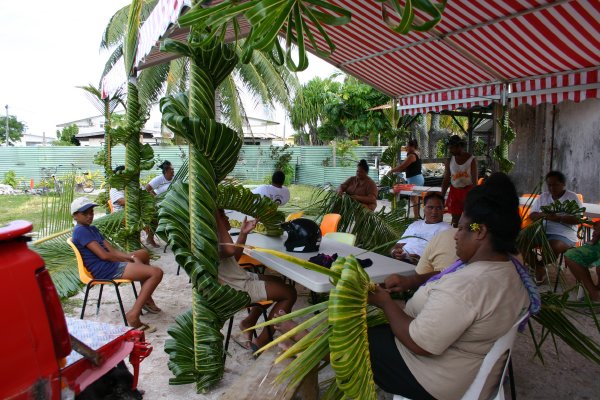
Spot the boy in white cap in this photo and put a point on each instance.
(103, 261)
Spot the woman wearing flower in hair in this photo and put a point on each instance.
(360, 187)
(434, 347)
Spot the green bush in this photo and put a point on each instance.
(10, 178)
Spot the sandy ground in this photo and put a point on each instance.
(565, 375)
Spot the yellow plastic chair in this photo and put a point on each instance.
(89, 281)
(294, 216)
(342, 237)
(330, 223)
(111, 207)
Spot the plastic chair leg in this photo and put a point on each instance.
(134, 289)
(511, 381)
(85, 298)
(99, 299)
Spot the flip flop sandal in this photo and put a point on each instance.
(145, 328)
(151, 309)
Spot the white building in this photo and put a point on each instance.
(257, 131)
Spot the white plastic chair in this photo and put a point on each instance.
(342, 237)
(502, 345)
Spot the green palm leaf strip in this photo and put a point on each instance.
(187, 213)
(339, 329)
(372, 229)
(267, 19)
(406, 12)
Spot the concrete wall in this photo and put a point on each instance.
(565, 137)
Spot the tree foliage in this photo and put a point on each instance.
(325, 109)
(16, 129)
(66, 137)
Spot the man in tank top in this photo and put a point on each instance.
(460, 176)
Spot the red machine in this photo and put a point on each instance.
(37, 341)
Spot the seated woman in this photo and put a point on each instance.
(434, 347)
(412, 167)
(561, 229)
(360, 187)
(105, 262)
(259, 287)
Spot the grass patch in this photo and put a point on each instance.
(24, 206)
(70, 304)
(300, 198)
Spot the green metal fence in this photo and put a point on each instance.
(313, 164)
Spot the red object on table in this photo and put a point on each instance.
(402, 186)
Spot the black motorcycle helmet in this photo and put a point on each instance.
(304, 235)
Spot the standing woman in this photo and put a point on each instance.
(460, 175)
(412, 167)
(360, 187)
(156, 186)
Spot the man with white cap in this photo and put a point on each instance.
(103, 261)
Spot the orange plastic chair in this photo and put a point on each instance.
(248, 262)
(580, 197)
(535, 196)
(524, 214)
(111, 207)
(480, 181)
(330, 223)
(87, 279)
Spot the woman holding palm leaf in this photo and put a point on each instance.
(453, 320)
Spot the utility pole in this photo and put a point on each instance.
(6, 142)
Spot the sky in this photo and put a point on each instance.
(51, 47)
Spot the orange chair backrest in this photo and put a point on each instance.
(524, 214)
(480, 181)
(330, 223)
(580, 197)
(535, 196)
(84, 274)
(111, 207)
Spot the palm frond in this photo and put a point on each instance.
(373, 230)
(151, 82)
(61, 263)
(232, 109)
(555, 318)
(112, 60)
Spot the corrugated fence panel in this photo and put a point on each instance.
(255, 162)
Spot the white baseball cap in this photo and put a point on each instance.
(81, 204)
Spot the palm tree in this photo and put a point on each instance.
(265, 81)
(106, 106)
(308, 108)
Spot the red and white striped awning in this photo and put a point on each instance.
(541, 50)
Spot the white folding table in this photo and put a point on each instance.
(591, 210)
(382, 266)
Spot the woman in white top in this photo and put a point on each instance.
(560, 228)
(162, 182)
(156, 186)
(460, 175)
